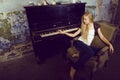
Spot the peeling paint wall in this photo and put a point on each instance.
(15, 39)
(14, 35)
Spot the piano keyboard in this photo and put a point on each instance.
(56, 32)
(38, 36)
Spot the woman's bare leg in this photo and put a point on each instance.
(72, 73)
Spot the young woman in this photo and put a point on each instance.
(88, 31)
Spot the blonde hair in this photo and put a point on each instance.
(85, 27)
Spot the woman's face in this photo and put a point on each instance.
(86, 20)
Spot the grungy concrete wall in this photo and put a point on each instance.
(103, 10)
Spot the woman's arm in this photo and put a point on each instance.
(70, 34)
(105, 40)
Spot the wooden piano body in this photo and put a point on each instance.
(44, 21)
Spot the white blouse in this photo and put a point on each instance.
(90, 37)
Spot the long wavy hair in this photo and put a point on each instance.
(85, 27)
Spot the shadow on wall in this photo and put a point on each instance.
(14, 35)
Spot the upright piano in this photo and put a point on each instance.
(45, 21)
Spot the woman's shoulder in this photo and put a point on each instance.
(96, 26)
